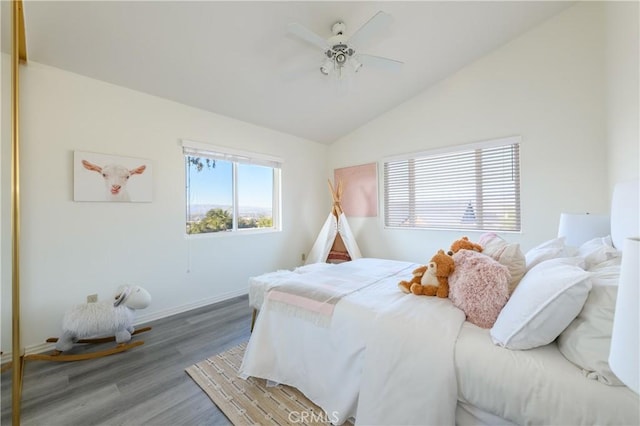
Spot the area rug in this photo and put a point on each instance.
(251, 402)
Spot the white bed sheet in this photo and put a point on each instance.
(536, 386)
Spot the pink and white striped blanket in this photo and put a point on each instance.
(312, 294)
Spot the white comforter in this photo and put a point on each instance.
(351, 369)
(386, 359)
(409, 373)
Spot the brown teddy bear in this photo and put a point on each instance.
(432, 279)
(464, 243)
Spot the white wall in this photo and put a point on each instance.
(73, 249)
(546, 86)
(622, 90)
(5, 202)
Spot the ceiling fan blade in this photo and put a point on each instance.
(370, 29)
(380, 62)
(307, 35)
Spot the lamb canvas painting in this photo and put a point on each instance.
(102, 177)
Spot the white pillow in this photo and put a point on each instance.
(596, 251)
(547, 299)
(551, 249)
(507, 254)
(616, 261)
(587, 340)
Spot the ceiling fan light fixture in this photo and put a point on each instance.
(326, 67)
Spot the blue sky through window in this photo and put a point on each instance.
(255, 186)
(213, 185)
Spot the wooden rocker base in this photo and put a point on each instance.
(101, 339)
(80, 357)
(61, 357)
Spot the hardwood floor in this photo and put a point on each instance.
(146, 385)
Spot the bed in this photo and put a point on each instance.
(361, 349)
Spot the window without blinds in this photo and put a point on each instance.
(474, 187)
(230, 191)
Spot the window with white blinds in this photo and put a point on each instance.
(472, 187)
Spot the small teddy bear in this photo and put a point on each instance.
(432, 279)
(464, 243)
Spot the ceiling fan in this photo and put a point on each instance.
(342, 53)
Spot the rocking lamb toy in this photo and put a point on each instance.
(85, 323)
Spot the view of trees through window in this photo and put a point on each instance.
(225, 196)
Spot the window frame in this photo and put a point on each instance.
(235, 157)
(457, 149)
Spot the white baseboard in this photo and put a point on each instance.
(141, 319)
(45, 347)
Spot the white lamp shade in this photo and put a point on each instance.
(624, 357)
(580, 228)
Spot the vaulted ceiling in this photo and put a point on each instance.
(236, 59)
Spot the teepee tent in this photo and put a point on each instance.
(336, 242)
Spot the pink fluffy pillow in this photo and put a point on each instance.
(479, 286)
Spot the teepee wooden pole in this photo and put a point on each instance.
(336, 194)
